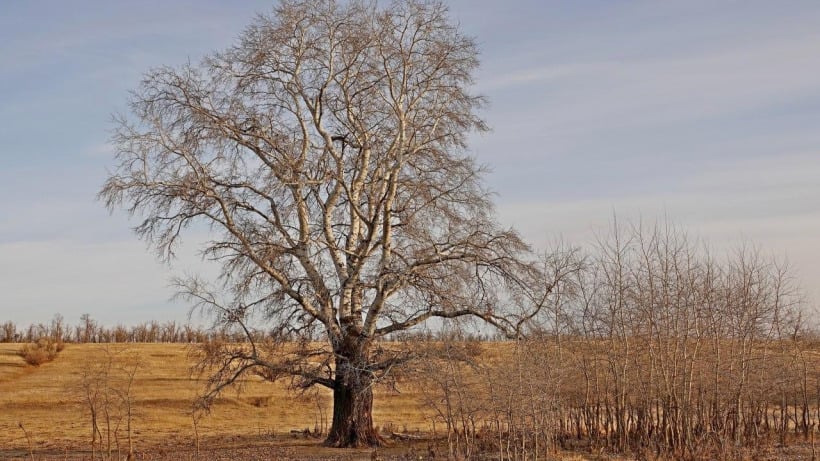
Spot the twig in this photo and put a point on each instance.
(28, 438)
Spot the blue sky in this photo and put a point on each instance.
(706, 112)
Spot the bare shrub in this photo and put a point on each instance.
(658, 349)
(41, 351)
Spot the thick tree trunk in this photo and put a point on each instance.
(352, 405)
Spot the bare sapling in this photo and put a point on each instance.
(106, 389)
(28, 440)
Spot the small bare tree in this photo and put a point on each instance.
(325, 154)
(106, 390)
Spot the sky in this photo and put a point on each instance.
(705, 113)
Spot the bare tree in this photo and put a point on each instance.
(8, 332)
(325, 154)
(86, 331)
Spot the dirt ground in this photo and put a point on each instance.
(288, 448)
(298, 448)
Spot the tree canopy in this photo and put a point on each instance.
(326, 153)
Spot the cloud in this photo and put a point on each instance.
(103, 151)
(104, 29)
(703, 111)
(770, 202)
(585, 97)
(114, 281)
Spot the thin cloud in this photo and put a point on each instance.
(603, 96)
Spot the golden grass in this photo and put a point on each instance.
(47, 400)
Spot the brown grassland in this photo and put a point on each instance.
(48, 402)
(44, 413)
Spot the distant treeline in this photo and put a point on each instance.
(88, 330)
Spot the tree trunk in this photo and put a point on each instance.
(353, 404)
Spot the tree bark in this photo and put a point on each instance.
(352, 424)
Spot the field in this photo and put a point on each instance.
(45, 412)
(48, 402)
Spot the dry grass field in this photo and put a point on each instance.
(48, 402)
(44, 412)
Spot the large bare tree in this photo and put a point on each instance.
(325, 153)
